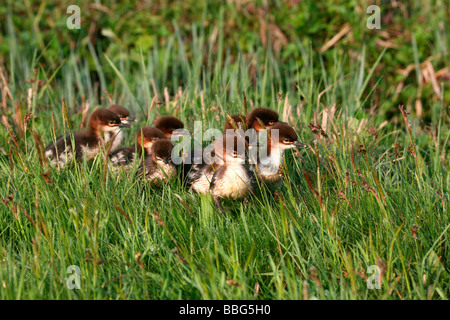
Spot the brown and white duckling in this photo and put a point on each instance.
(266, 116)
(226, 174)
(145, 138)
(280, 138)
(233, 179)
(158, 165)
(86, 143)
(169, 125)
(124, 116)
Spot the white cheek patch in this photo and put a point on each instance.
(286, 146)
(110, 129)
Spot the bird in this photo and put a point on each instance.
(145, 138)
(265, 116)
(233, 179)
(169, 125)
(124, 116)
(225, 174)
(158, 167)
(198, 174)
(266, 164)
(84, 143)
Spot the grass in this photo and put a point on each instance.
(370, 190)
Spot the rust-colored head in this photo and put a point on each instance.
(287, 137)
(168, 124)
(146, 136)
(123, 113)
(267, 116)
(162, 150)
(105, 120)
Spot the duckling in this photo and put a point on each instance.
(158, 166)
(124, 116)
(270, 158)
(169, 125)
(86, 143)
(145, 138)
(233, 179)
(225, 174)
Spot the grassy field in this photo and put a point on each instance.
(371, 189)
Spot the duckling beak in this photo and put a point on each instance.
(124, 125)
(130, 119)
(299, 144)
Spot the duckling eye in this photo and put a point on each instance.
(271, 123)
(111, 122)
(286, 140)
(234, 154)
(154, 138)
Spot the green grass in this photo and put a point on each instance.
(339, 209)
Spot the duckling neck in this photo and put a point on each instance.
(116, 135)
(270, 163)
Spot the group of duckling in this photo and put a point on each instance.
(226, 174)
